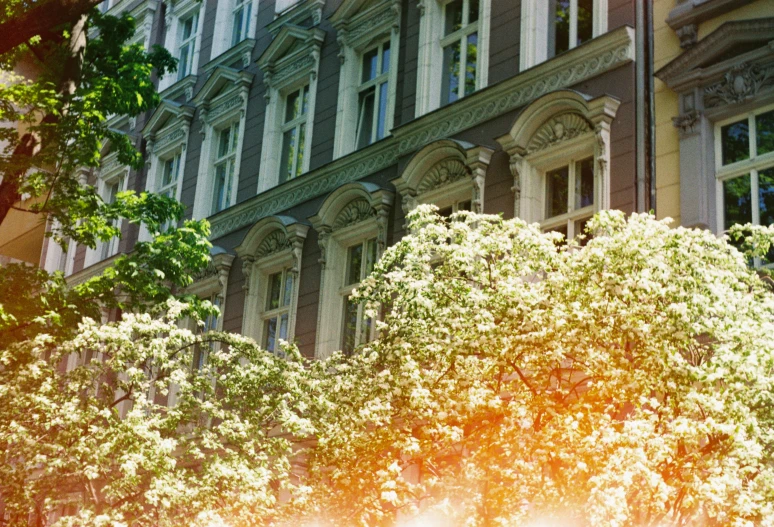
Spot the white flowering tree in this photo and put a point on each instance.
(516, 381)
(520, 381)
(133, 435)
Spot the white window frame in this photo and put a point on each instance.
(274, 244)
(362, 335)
(295, 124)
(359, 33)
(534, 24)
(335, 236)
(110, 174)
(228, 161)
(186, 67)
(430, 54)
(227, 108)
(461, 36)
(177, 13)
(567, 155)
(752, 165)
(283, 75)
(223, 32)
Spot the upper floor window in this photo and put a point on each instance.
(240, 25)
(571, 23)
(551, 27)
(290, 65)
(110, 190)
(369, 36)
(294, 143)
(373, 95)
(276, 313)
(225, 167)
(460, 49)
(188, 28)
(358, 328)
(745, 157)
(453, 51)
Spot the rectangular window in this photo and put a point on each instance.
(746, 173)
(294, 134)
(241, 21)
(569, 197)
(279, 291)
(358, 328)
(571, 23)
(187, 43)
(460, 49)
(110, 192)
(225, 167)
(170, 173)
(372, 95)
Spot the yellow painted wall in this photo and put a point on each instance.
(665, 48)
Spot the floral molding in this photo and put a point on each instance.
(605, 53)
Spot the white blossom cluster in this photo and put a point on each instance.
(516, 380)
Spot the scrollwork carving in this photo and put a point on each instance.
(739, 84)
(355, 212)
(557, 130)
(273, 243)
(443, 173)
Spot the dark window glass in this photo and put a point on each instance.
(472, 11)
(453, 20)
(585, 21)
(370, 60)
(766, 195)
(735, 140)
(471, 59)
(365, 124)
(350, 326)
(451, 73)
(764, 128)
(584, 183)
(737, 200)
(557, 182)
(561, 27)
(273, 299)
(355, 263)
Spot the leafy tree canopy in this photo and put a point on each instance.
(516, 381)
(58, 126)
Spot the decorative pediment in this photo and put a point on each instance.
(362, 20)
(558, 129)
(714, 55)
(242, 52)
(166, 113)
(273, 243)
(305, 13)
(222, 77)
(290, 41)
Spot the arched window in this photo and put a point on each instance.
(271, 262)
(352, 233)
(560, 159)
(449, 174)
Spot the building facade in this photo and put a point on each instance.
(714, 63)
(305, 130)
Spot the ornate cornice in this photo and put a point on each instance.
(738, 84)
(355, 212)
(273, 243)
(444, 173)
(605, 53)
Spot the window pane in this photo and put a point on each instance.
(381, 123)
(283, 332)
(350, 326)
(355, 261)
(585, 21)
(288, 152)
(472, 11)
(580, 228)
(365, 119)
(274, 291)
(370, 257)
(305, 99)
(224, 143)
(464, 205)
(386, 57)
(471, 58)
(300, 150)
(737, 201)
(584, 183)
(270, 332)
(451, 73)
(766, 195)
(292, 106)
(236, 34)
(453, 22)
(561, 26)
(288, 293)
(735, 139)
(370, 58)
(445, 212)
(557, 186)
(764, 129)
(183, 62)
(170, 172)
(219, 196)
